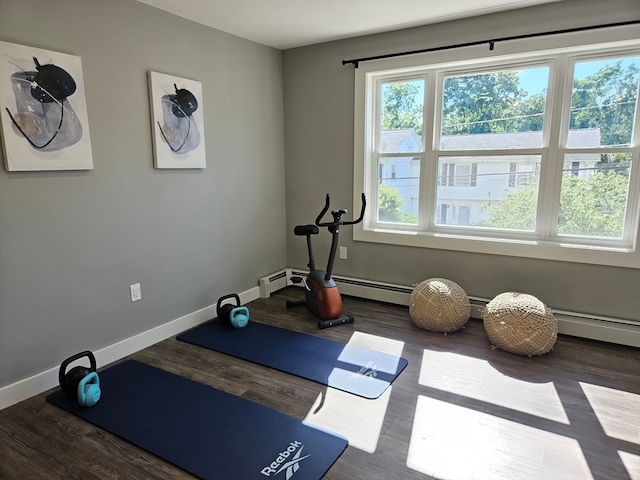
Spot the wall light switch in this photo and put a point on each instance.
(343, 253)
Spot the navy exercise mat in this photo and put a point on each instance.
(363, 372)
(209, 433)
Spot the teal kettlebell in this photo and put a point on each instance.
(89, 390)
(239, 317)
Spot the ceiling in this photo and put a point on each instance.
(284, 24)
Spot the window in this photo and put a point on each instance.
(458, 174)
(531, 154)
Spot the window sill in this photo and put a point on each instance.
(566, 252)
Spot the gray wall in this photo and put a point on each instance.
(71, 243)
(318, 112)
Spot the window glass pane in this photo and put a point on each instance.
(398, 186)
(593, 195)
(494, 110)
(490, 191)
(401, 106)
(603, 101)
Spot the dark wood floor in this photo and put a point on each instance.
(460, 410)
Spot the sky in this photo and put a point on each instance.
(534, 80)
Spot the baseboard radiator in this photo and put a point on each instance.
(619, 331)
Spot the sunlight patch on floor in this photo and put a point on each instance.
(377, 343)
(618, 411)
(632, 463)
(359, 419)
(476, 378)
(451, 442)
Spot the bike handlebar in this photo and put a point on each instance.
(337, 214)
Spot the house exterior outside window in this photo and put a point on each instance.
(474, 184)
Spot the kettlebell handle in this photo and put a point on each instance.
(73, 358)
(231, 295)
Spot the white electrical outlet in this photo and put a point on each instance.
(136, 293)
(343, 253)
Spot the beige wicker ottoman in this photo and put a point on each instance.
(439, 305)
(520, 323)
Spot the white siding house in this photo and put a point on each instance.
(468, 183)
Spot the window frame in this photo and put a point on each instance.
(560, 53)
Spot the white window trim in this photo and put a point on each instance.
(510, 245)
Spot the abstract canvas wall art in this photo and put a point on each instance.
(43, 109)
(177, 121)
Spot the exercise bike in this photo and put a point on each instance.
(321, 293)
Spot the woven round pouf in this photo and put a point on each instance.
(439, 305)
(520, 323)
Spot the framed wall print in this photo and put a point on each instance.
(43, 110)
(177, 121)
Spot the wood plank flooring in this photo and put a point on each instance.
(460, 410)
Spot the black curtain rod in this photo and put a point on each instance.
(491, 42)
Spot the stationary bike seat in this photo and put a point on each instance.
(304, 230)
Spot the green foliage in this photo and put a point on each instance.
(390, 204)
(516, 211)
(593, 206)
(590, 206)
(494, 103)
(401, 108)
(490, 103)
(606, 100)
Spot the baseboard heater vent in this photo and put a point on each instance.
(606, 329)
(275, 282)
(384, 292)
(477, 306)
(377, 285)
(355, 287)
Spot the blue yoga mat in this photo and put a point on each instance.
(360, 371)
(209, 433)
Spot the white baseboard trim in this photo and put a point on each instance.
(43, 381)
(612, 330)
(569, 323)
